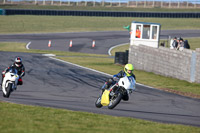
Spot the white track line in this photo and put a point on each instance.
(27, 45)
(109, 51)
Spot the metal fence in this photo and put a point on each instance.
(102, 13)
(111, 3)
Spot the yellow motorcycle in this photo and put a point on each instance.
(120, 90)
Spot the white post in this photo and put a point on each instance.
(4, 1)
(145, 3)
(103, 3)
(179, 4)
(68, 2)
(153, 3)
(51, 2)
(161, 3)
(136, 3)
(94, 3)
(43, 2)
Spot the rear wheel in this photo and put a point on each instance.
(115, 100)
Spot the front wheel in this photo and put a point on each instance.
(8, 90)
(98, 102)
(115, 100)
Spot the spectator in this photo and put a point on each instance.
(138, 33)
(180, 44)
(186, 44)
(174, 43)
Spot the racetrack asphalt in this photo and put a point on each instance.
(52, 83)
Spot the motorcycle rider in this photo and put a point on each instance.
(19, 67)
(128, 71)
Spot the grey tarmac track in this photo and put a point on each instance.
(56, 84)
(82, 41)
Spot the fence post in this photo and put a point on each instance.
(193, 67)
(153, 4)
(103, 3)
(43, 2)
(128, 3)
(68, 2)
(179, 4)
(136, 3)
(145, 3)
(94, 3)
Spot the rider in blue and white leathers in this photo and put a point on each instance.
(128, 71)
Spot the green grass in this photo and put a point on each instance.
(98, 8)
(121, 48)
(194, 43)
(41, 24)
(17, 118)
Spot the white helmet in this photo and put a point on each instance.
(18, 62)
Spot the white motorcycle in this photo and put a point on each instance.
(10, 82)
(120, 90)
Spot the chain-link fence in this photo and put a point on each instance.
(112, 3)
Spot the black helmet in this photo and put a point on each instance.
(181, 39)
(18, 62)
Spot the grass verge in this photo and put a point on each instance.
(41, 24)
(32, 119)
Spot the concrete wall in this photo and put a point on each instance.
(167, 62)
(197, 74)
